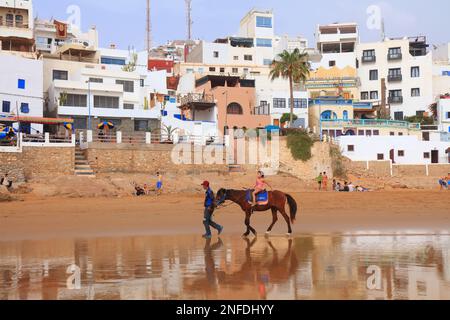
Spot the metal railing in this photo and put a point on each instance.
(262, 110)
(196, 98)
(395, 77)
(394, 56)
(398, 99)
(365, 59)
(370, 123)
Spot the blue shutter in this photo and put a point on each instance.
(24, 108)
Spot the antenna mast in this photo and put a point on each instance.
(189, 18)
(149, 29)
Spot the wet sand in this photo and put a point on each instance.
(320, 213)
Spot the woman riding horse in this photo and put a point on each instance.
(277, 203)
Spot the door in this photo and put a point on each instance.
(392, 155)
(435, 156)
(276, 122)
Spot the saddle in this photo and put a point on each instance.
(262, 198)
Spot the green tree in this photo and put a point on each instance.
(294, 67)
(287, 117)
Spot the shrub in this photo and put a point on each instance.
(287, 117)
(300, 144)
(337, 162)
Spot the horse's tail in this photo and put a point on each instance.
(292, 207)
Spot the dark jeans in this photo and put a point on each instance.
(208, 222)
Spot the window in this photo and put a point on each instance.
(350, 148)
(222, 70)
(373, 75)
(24, 108)
(268, 62)
(106, 102)
(299, 103)
(264, 22)
(425, 136)
(216, 54)
(19, 21)
(96, 80)
(141, 125)
(9, 20)
(426, 155)
(236, 58)
(264, 43)
(74, 100)
(376, 132)
(360, 132)
(401, 153)
(415, 72)
(368, 53)
(235, 70)
(189, 70)
(21, 84)
(60, 75)
(395, 52)
(6, 106)
(364, 95)
(234, 108)
(395, 72)
(113, 61)
(332, 63)
(128, 86)
(398, 116)
(212, 69)
(345, 115)
(400, 134)
(142, 81)
(374, 95)
(245, 70)
(380, 156)
(448, 115)
(279, 103)
(128, 106)
(79, 123)
(248, 57)
(1, 20)
(415, 92)
(392, 134)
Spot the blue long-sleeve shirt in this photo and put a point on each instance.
(209, 199)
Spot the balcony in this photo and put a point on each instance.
(368, 59)
(370, 123)
(197, 101)
(395, 78)
(394, 100)
(394, 56)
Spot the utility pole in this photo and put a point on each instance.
(149, 29)
(189, 19)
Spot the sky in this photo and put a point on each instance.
(123, 23)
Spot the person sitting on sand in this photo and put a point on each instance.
(443, 183)
(259, 186)
(338, 187)
(351, 187)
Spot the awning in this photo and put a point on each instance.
(36, 120)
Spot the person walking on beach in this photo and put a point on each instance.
(325, 182)
(159, 184)
(208, 213)
(319, 180)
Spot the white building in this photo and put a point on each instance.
(443, 108)
(400, 149)
(337, 45)
(406, 66)
(16, 26)
(441, 70)
(21, 92)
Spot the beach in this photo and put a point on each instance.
(182, 214)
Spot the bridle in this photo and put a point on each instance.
(222, 199)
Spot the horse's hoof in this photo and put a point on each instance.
(288, 235)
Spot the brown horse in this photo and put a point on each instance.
(277, 203)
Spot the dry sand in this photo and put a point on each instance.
(181, 214)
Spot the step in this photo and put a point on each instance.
(83, 168)
(84, 173)
(81, 162)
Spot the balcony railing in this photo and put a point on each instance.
(395, 99)
(263, 110)
(394, 56)
(395, 77)
(11, 24)
(366, 59)
(370, 123)
(197, 98)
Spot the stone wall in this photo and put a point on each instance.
(37, 162)
(128, 158)
(383, 169)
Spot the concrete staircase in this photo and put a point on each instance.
(82, 167)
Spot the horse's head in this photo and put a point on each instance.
(221, 197)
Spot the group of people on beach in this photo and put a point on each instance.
(145, 189)
(322, 181)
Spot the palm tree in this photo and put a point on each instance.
(293, 66)
(170, 131)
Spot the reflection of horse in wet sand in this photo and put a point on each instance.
(277, 201)
(258, 272)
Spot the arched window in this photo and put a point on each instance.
(328, 115)
(234, 108)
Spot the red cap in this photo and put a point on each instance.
(205, 184)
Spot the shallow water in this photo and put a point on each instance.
(188, 267)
